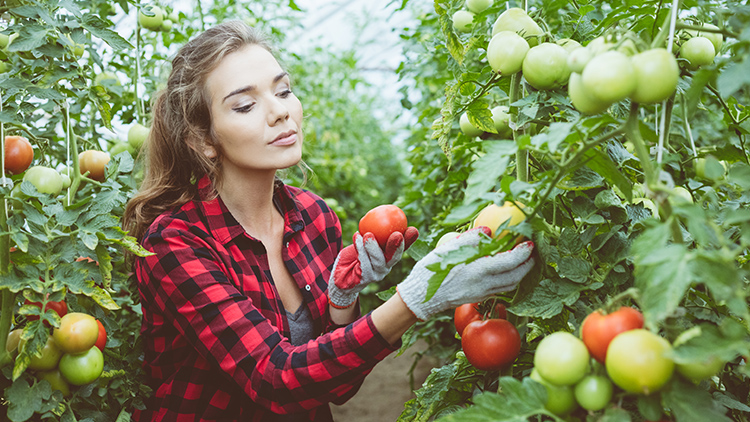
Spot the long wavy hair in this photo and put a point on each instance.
(181, 126)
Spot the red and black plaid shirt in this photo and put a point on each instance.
(215, 333)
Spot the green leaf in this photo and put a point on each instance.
(549, 298)
(581, 179)
(488, 169)
(555, 136)
(707, 341)
(30, 37)
(692, 404)
(455, 48)
(615, 414)
(516, 401)
(574, 269)
(99, 28)
(604, 166)
(480, 116)
(25, 399)
(734, 77)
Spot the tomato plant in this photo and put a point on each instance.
(561, 358)
(491, 344)
(94, 162)
(383, 220)
(77, 332)
(82, 368)
(637, 361)
(18, 154)
(598, 330)
(60, 307)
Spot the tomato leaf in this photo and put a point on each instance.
(488, 169)
(549, 298)
(692, 404)
(516, 401)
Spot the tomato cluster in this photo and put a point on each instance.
(157, 19)
(72, 354)
(489, 341)
(625, 356)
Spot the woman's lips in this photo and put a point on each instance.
(288, 138)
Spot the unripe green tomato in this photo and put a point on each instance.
(506, 51)
(174, 16)
(447, 237)
(106, 78)
(478, 6)
(638, 362)
(716, 39)
(568, 44)
(656, 76)
(47, 358)
(467, 128)
(648, 204)
(14, 337)
(709, 168)
(66, 181)
(546, 66)
(560, 398)
(578, 58)
(501, 118)
(4, 40)
(4, 67)
(517, 20)
(82, 368)
(45, 179)
(166, 25)
(462, 20)
(680, 194)
(581, 99)
(609, 77)
(599, 45)
(56, 381)
(119, 147)
(137, 135)
(151, 22)
(698, 51)
(593, 392)
(562, 358)
(627, 47)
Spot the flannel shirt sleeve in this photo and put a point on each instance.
(187, 281)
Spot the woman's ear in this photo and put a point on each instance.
(209, 151)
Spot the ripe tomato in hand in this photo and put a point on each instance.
(491, 344)
(18, 154)
(598, 330)
(469, 312)
(383, 220)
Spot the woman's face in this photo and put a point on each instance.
(255, 117)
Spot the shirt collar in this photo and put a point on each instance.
(224, 227)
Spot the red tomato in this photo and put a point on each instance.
(18, 154)
(491, 344)
(60, 307)
(598, 330)
(101, 340)
(469, 312)
(383, 220)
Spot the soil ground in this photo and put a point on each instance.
(385, 390)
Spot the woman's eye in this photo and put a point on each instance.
(244, 109)
(285, 93)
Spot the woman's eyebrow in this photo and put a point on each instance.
(250, 88)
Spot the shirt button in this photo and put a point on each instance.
(287, 244)
(308, 287)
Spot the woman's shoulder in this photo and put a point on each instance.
(184, 217)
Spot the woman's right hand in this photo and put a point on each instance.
(465, 283)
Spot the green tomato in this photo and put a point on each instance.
(517, 20)
(506, 51)
(56, 380)
(638, 362)
(467, 128)
(45, 179)
(166, 25)
(151, 22)
(716, 39)
(45, 359)
(560, 398)
(4, 40)
(581, 99)
(593, 392)
(627, 47)
(546, 66)
(609, 77)
(446, 237)
(137, 135)
(599, 45)
(174, 16)
(568, 44)
(561, 358)
(680, 194)
(82, 368)
(119, 147)
(106, 78)
(698, 51)
(578, 58)
(462, 20)
(501, 119)
(4, 67)
(656, 76)
(709, 168)
(697, 370)
(648, 204)
(478, 6)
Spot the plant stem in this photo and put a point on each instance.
(522, 161)
(6, 312)
(633, 133)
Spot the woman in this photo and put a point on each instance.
(250, 308)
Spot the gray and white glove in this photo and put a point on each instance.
(465, 283)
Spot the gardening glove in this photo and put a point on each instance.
(465, 283)
(363, 262)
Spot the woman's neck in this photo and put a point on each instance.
(250, 200)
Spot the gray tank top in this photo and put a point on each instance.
(300, 325)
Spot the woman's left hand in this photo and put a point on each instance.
(363, 262)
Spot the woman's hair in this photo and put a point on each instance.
(181, 126)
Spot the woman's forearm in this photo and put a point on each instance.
(393, 318)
